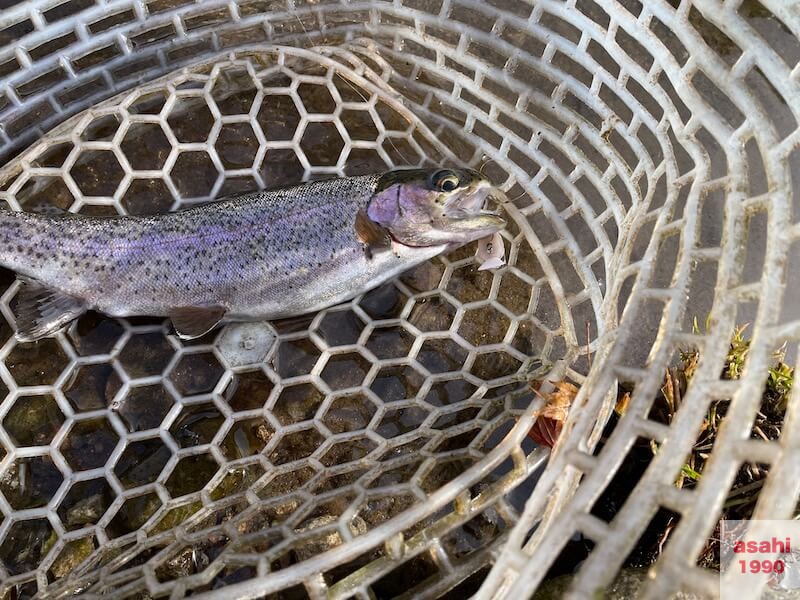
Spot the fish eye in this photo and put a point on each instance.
(445, 181)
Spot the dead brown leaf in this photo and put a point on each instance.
(548, 425)
(622, 403)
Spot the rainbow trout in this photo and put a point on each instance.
(264, 255)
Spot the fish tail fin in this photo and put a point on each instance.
(42, 311)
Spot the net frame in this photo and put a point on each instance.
(573, 113)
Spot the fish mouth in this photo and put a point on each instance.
(481, 199)
(473, 214)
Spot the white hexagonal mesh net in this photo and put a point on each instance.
(379, 448)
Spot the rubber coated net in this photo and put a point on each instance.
(381, 448)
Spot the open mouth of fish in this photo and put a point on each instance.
(485, 200)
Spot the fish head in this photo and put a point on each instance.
(430, 207)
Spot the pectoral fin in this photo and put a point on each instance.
(42, 311)
(193, 321)
(374, 237)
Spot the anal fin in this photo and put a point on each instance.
(194, 321)
(42, 311)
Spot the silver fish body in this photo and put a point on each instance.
(264, 255)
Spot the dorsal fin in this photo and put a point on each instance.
(42, 311)
(194, 321)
